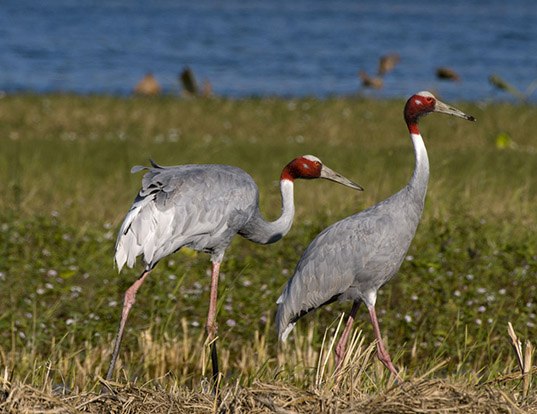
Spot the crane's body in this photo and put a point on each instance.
(202, 206)
(180, 207)
(353, 258)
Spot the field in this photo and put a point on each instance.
(66, 185)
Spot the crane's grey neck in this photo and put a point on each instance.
(418, 183)
(261, 231)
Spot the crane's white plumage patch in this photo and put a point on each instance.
(312, 158)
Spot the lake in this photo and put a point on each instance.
(268, 48)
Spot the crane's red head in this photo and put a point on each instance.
(306, 166)
(423, 103)
(309, 167)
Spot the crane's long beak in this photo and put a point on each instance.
(338, 178)
(446, 109)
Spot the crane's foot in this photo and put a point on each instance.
(384, 357)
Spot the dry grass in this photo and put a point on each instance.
(419, 396)
(362, 386)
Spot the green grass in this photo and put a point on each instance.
(65, 185)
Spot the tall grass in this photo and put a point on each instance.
(65, 185)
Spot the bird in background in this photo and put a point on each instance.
(353, 258)
(148, 85)
(374, 82)
(446, 73)
(387, 63)
(202, 206)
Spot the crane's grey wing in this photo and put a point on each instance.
(320, 276)
(343, 262)
(201, 206)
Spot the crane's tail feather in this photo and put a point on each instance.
(138, 168)
(289, 313)
(142, 232)
(285, 333)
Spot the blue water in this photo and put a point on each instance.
(268, 47)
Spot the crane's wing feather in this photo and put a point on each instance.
(348, 260)
(197, 205)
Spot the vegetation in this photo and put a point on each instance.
(65, 185)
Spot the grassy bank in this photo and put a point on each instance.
(65, 185)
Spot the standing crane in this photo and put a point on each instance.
(202, 207)
(353, 258)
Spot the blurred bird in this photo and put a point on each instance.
(447, 74)
(387, 63)
(355, 257)
(190, 85)
(148, 85)
(370, 81)
(501, 84)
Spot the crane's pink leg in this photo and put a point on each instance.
(211, 318)
(342, 344)
(130, 298)
(382, 353)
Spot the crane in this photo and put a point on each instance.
(202, 206)
(353, 258)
